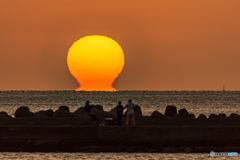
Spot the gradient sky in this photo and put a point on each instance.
(168, 44)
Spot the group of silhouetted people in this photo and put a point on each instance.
(91, 111)
(130, 112)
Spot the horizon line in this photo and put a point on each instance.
(123, 90)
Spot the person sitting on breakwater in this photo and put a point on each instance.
(93, 114)
(130, 112)
(87, 111)
(119, 109)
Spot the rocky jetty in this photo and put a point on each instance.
(170, 111)
(171, 132)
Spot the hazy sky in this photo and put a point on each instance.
(168, 44)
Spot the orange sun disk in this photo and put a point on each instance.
(95, 62)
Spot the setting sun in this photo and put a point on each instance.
(95, 62)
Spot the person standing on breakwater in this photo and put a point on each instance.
(87, 111)
(130, 112)
(119, 109)
(93, 114)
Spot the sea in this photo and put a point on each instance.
(196, 102)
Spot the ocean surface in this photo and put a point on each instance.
(196, 102)
(108, 156)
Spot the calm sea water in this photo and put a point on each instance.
(196, 102)
(115, 156)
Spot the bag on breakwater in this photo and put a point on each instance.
(108, 121)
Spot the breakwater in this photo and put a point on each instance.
(64, 131)
(87, 138)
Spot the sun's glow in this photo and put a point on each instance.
(95, 62)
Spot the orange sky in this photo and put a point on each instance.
(168, 44)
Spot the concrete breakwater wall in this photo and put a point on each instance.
(140, 121)
(80, 138)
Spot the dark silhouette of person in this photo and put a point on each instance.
(87, 111)
(93, 114)
(130, 113)
(119, 109)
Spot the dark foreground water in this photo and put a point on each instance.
(196, 102)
